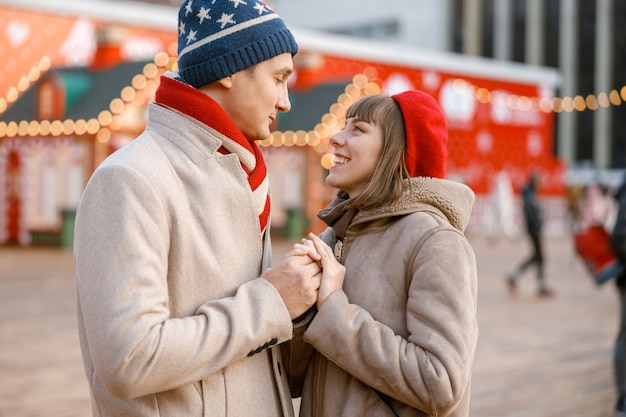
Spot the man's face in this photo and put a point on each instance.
(258, 94)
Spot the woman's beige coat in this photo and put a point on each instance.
(173, 317)
(383, 350)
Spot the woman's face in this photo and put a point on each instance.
(358, 148)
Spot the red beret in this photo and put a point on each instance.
(426, 134)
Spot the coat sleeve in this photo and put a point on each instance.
(431, 368)
(122, 249)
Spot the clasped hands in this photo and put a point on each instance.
(307, 275)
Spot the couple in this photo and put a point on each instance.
(180, 312)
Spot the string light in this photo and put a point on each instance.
(143, 86)
(330, 121)
(107, 121)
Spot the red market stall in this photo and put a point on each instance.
(500, 115)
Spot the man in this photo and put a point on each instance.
(178, 312)
(534, 224)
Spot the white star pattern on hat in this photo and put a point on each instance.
(192, 36)
(226, 19)
(204, 14)
(260, 7)
(199, 26)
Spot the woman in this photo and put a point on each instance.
(396, 335)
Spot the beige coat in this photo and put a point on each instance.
(383, 351)
(173, 317)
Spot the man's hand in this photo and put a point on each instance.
(297, 279)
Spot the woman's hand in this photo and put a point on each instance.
(332, 271)
(297, 279)
(305, 248)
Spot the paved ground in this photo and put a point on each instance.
(536, 357)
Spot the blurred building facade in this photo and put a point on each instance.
(583, 39)
(505, 112)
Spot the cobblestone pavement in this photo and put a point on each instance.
(536, 357)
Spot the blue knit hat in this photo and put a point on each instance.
(217, 38)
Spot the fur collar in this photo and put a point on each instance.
(452, 200)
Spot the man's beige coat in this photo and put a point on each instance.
(173, 317)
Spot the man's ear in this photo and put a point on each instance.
(226, 82)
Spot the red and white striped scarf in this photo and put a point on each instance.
(194, 103)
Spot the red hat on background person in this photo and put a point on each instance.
(426, 134)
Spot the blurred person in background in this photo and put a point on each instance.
(618, 245)
(500, 219)
(178, 313)
(533, 217)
